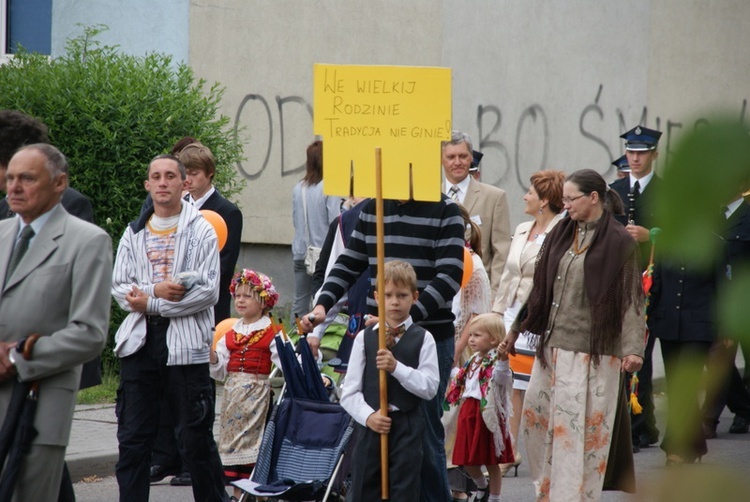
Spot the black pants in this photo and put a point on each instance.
(144, 379)
(643, 425)
(683, 369)
(404, 455)
(165, 451)
(731, 391)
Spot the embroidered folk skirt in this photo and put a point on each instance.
(567, 424)
(474, 443)
(243, 417)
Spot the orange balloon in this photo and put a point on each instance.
(222, 328)
(220, 226)
(468, 267)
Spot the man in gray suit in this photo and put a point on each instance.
(58, 288)
(487, 205)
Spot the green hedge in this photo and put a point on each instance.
(110, 113)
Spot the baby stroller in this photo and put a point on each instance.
(304, 442)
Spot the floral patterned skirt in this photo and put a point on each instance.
(243, 417)
(567, 422)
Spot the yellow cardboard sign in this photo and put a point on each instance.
(404, 110)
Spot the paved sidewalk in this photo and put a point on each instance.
(92, 450)
(93, 443)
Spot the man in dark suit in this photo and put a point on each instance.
(638, 191)
(682, 315)
(200, 167)
(731, 391)
(58, 289)
(487, 204)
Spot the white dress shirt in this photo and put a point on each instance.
(421, 381)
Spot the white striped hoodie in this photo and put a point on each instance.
(189, 334)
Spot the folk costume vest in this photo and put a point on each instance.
(406, 351)
(250, 353)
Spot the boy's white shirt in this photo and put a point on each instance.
(421, 381)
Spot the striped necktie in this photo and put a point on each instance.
(453, 193)
(21, 247)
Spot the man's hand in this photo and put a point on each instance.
(137, 299)
(385, 361)
(168, 290)
(370, 320)
(637, 232)
(7, 368)
(632, 363)
(312, 319)
(378, 423)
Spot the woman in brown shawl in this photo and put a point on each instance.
(585, 305)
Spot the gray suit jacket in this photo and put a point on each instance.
(490, 204)
(61, 291)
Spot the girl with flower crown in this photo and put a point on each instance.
(482, 389)
(471, 300)
(242, 359)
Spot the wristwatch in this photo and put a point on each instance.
(18, 349)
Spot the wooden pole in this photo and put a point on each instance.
(383, 375)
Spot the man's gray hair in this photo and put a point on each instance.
(458, 137)
(56, 163)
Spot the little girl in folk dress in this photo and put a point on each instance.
(482, 387)
(243, 358)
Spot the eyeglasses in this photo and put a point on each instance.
(570, 200)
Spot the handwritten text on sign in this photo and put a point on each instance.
(406, 111)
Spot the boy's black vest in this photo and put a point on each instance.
(406, 351)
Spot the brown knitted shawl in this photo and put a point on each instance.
(612, 279)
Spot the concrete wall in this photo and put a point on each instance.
(537, 83)
(137, 26)
(264, 51)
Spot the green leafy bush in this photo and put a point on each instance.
(110, 113)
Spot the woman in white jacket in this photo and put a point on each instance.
(544, 203)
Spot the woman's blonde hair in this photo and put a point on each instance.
(491, 323)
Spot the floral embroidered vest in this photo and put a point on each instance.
(250, 353)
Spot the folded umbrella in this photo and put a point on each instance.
(18, 429)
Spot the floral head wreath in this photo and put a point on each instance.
(259, 284)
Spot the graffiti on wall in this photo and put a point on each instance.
(518, 147)
(247, 113)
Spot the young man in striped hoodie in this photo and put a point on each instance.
(166, 277)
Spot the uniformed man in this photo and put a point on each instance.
(622, 166)
(637, 190)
